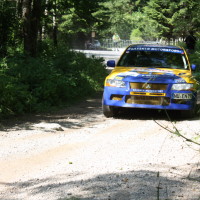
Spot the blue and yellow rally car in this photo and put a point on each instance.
(151, 77)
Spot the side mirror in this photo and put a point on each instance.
(111, 63)
(193, 66)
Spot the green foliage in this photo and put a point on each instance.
(81, 19)
(38, 84)
(73, 21)
(186, 17)
(120, 17)
(136, 35)
(174, 19)
(146, 26)
(161, 13)
(195, 59)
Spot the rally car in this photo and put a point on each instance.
(151, 77)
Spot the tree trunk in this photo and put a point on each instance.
(55, 26)
(19, 8)
(31, 18)
(44, 25)
(3, 29)
(26, 14)
(35, 22)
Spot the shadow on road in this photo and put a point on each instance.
(81, 114)
(135, 184)
(147, 114)
(75, 116)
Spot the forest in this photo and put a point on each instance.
(39, 70)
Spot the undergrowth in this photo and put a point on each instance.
(53, 79)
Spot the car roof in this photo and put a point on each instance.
(155, 46)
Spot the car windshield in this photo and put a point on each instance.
(157, 59)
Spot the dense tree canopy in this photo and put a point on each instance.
(27, 23)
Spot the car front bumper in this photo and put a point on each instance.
(121, 97)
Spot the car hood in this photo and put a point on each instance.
(154, 75)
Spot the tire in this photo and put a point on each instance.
(109, 111)
(189, 113)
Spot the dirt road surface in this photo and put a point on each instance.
(77, 153)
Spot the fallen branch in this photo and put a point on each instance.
(175, 131)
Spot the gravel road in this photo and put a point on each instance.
(78, 154)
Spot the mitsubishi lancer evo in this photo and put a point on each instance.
(151, 77)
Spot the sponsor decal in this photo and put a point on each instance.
(130, 73)
(137, 72)
(150, 91)
(155, 49)
(151, 70)
(180, 80)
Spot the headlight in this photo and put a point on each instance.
(115, 83)
(184, 86)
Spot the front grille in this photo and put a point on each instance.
(148, 86)
(150, 100)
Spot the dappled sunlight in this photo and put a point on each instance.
(74, 117)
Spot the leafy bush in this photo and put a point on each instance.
(194, 58)
(53, 79)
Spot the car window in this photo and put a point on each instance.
(157, 59)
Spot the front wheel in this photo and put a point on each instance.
(109, 111)
(189, 113)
